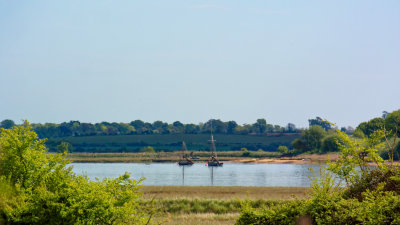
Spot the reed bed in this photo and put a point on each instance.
(212, 204)
(223, 193)
(198, 219)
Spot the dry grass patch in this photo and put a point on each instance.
(223, 193)
(198, 219)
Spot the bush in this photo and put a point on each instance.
(282, 149)
(370, 195)
(41, 189)
(245, 152)
(330, 143)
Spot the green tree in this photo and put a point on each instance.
(392, 122)
(177, 124)
(245, 152)
(320, 122)
(291, 128)
(299, 145)
(7, 124)
(64, 147)
(148, 149)
(39, 188)
(245, 129)
(330, 143)
(371, 126)
(313, 137)
(260, 126)
(231, 125)
(283, 149)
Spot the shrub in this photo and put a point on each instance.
(41, 189)
(370, 195)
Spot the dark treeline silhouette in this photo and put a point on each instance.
(76, 128)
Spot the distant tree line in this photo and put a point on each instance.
(321, 136)
(76, 128)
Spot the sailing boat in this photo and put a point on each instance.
(184, 161)
(213, 161)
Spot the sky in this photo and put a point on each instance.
(286, 61)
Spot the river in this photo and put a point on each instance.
(230, 174)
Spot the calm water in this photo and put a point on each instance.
(231, 174)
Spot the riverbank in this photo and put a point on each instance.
(229, 156)
(212, 204)
(223, 192)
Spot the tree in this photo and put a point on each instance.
(217, 125)
(291, 128)
(64, 147)
(384, 114)
(231, 125)
(392, 122)
(245, 152)
(283, 149)
(148, 149)
(260, 126)
(7, 124)
(371, 126)
(299, 145)
(41, 189)
(177, 124)
(320, 122)
(191, 129)
(331, 143)
(245, 129)
(313, 137)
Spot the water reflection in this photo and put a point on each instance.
(212, 175)
(231, 174)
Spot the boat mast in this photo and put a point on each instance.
(183, 143)
(213, 149)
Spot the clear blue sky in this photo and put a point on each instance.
(117, 61)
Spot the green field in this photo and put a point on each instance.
(172, 142)
(164, 156)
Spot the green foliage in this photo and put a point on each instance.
(148, 149)
(358, 134)
(283, 149)
(356, 154)
(371, 195)
(313, 137)
(64, 147)
(7, 124)
(392, 122)
(39, 188)
(320, 122)
(371, 126)
(330, 143)
(299, 145)
(311, 140)
(245, 152)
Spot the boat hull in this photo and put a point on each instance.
(185, 163)
(215, 163)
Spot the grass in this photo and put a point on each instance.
(198, 219)
(212, 204)
(223, 193)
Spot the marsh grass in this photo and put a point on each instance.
(223, 193)
(198, 219)
(213, 204)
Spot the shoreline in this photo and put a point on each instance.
(132, 158)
